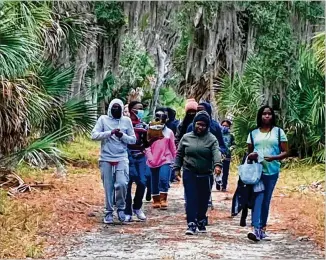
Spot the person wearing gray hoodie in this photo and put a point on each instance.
(115, 132)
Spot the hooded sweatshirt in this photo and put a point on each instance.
(215, 128)
(172, 123)
(162, 151)
(114, 149)
(198, 154)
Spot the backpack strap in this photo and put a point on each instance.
(279, 138)
(252, 139)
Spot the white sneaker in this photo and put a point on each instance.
(140, 214)
(128, 218)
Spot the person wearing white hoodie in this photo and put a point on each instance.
(115, 132)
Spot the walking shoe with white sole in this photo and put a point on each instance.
(255, 235)
(140, 214)
(191, 228)
(108, 219)
(201, 225)
(121, 215)
(128, 218)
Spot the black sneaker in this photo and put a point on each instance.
(202, 226)
(191, 229)
(148, 196)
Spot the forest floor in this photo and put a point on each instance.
(66, 221)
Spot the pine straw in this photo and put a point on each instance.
(37, 220)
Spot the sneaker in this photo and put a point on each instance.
(108, 219)
(218, 186)
(202, 226)
(263, 234)
(121, 215)
(128, 218)
(255, 235)
(191, 229)
(140, 214)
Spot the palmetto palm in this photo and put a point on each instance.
(37, 109)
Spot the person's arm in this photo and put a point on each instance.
(233, 144)
(98, 132)
(172, 145)
(129, 137)
(251, 154)
(220, 140)
(179, 156)
(283, 149)
(217, 158)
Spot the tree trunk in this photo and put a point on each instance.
(161, 56)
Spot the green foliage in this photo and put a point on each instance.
(169, 98)
(111, 16)
(38, 110)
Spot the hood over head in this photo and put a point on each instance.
(115, 101)
(207, 107)
(202, 116)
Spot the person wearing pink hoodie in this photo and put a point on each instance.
(160, 155)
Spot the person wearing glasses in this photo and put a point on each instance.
(160, 155)
(199, 156)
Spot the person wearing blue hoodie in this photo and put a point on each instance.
(115, 132)
(215, 127)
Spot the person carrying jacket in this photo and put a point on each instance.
(115, 132)
(198, 153)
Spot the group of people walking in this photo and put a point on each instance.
(166, 150)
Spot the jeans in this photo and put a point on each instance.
(160, 179)
(225, 169)
(137, 174)
(260, 210)
(197, 191)
(115, 178)
(148, 175)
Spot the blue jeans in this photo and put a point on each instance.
(137, 174)
(260, 210)
(160, 179)
(148, 176)
(225, 169)
(197, 191)
(115, 178)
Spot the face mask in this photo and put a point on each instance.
(225, 130)
(116, 112)
(140, 114)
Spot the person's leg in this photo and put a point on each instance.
(121, 184)
(190, 188)
(140, 164)
(132, 177)
(164, 184)
(226, 170)
(269, 184)
(256, 216)
(204, 193)
(108, 182)
(155, 187)
(148, 184)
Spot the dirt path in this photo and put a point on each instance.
(162, 237)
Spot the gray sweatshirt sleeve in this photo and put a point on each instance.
(216, 154)
(130, 137)
(98, 132)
